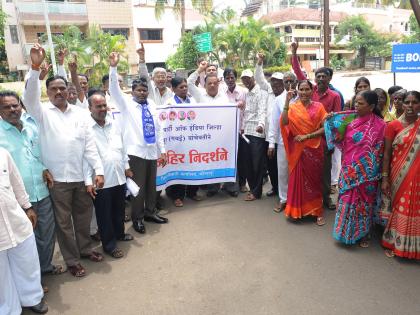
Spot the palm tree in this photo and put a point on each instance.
(204, 7)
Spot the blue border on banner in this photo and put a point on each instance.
(195, 175)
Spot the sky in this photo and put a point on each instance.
(237, 5)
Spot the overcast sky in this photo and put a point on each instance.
(237, 5)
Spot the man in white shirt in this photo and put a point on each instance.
(110, 200)
(212, 94)
(254, 124)
(20, 273)
(66, 142)
(274, 137)
(274, 89)
(144, 139)
(159, 93)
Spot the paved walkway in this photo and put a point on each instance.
(227, 256)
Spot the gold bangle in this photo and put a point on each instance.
(385, 174)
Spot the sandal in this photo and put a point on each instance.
(244, 189)
(94, 256)
(389, 253)
(56, 270)
(44, 288)
(178, 203)
(364, 243)
(126, 237)
(280, 207)
(116, 253)
(250, 197)
(320, 221)
(77, 270)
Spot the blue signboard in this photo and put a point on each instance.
(406, 58)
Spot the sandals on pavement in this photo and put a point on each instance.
(117, 253)
(320, 221)
(196, 198)
(250, 197)
(389, 253)
(94, 256)
(280, 207)
(178, 203)
(364, 243)
(56, 270)
(77, 270)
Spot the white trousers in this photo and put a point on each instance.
(20, 277)
(336, 166)
(283, 172)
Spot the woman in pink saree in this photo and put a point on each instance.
(360, 136)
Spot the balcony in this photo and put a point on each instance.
(60, 13)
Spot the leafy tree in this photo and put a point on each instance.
(415, 31)
(92, 50)
(3, 57)
(204, 7)
(363, 38)
(186, 55)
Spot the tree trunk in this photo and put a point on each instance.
(362, 57)
(416, 8)
(182, 17)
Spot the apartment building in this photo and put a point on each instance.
(26, 24)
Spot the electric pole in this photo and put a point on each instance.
(326, 33)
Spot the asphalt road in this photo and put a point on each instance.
(228, 256)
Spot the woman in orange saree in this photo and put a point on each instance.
(302, 130)
(401, 180)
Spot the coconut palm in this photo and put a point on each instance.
(204, 7)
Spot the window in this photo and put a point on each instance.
(277, 29)
(299, 26)
(288, 29)
(117, 31)
(14, 34)
(151, 34)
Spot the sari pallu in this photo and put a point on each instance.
(402, 234)
(305, 160)
(362, 149)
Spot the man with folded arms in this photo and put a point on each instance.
(66, 142)
(144, 139)
(110, 200)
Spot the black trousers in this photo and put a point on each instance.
(272, 171)
(180, 191)
(256, 159)
(145, 177)
(326, 175)
(241, 166)
(110, 209)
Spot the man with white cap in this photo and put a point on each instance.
(254, 131)
(274, 89)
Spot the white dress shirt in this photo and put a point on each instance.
(15, 226)
(238, 94)
(172, 101)
(110, 144)
(201, 95)
(65, 139)
(131, 113)
(255, 111)
(154, 93)
(264, 85)
(274, 135)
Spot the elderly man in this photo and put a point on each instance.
(254, 126)
(159, 93)
(20, 276)
(110, 200)
(144, 138)
(275, 140)
(274, 89)
(332, 103)
(19, 136)
(66, 142)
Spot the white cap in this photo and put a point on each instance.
(277, 75)
(247, 73)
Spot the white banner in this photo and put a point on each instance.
(201, 143)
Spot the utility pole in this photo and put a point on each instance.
(326, 33)
(50, 43)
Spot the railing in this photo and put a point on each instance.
(53, 7)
